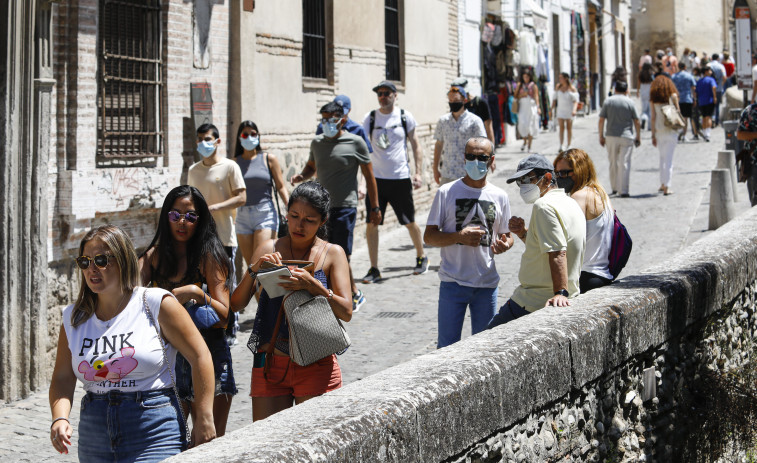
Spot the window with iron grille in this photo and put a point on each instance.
(314, 38)
(392, 40)
(129, 82)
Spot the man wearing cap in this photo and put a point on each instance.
(468, 220)
(620, 113)
(390, 128)
(350, 126)
(453, 130)
(336, 156)
(555, 241)
(477, 106)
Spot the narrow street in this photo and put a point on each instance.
(398, 322)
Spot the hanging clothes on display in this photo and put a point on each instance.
(542, 64)
(544, 103)
(527, 48)
(495, 109)
(490, 69)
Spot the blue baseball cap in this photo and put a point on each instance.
(460, 90)
(344, 102)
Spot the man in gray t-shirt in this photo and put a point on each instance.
(620, 113)
(336, 156)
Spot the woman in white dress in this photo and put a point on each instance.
(566, 103)
(527, 95)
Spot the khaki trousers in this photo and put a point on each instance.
(619, 150)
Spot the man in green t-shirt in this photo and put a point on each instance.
(336, 156)
(555, 242)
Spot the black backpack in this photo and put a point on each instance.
(403, 118)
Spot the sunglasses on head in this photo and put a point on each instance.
(175, 216)
(477, 157)
(100, 260)
(383, 93)
(251, 134)
(563, 173)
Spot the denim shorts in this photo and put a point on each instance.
(215, 338)
(130, 426)
(257, 217)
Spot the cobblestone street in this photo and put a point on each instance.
(398, 322)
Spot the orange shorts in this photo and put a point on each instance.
(315, 379)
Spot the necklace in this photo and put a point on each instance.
(307, 251)
(120, 308)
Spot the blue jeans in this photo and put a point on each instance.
(130, 426)
(507, 313)
(222, 367)
(453, 300)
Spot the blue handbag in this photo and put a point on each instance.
(203, 315)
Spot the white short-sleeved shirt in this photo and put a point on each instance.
(455, 134)
(123, 353)
(557, 224)
(456, 206)
(391, 162)
(565, 101)
(218, 183)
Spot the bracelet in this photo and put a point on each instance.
(58, 419)
(331, 295)
(251, 272)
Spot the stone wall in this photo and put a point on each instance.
(621, 375)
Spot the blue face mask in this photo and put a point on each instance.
(330, 129)
(476, 170)
(206, 148)
(249, 143)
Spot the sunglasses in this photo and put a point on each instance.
(100, 260)
(333, 120)
(251, 134)
(191, 217)
(383, 93)
(525, 180)
(563, 173)
(477, 157)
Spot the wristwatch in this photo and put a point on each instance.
(376, 209)
(562, 292)
(251, 272)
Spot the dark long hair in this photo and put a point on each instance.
(238, 150)
(204, 246)
(316, 196)
(646, 73)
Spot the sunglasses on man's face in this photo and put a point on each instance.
(333, 120)
(100, 260)
(477, 157)
(383, 93)
(525, 180)
(175, 216)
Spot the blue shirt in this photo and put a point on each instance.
(718, 72)
(684, 81)
(353, 128)
(704, 90)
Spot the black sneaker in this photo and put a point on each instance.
(372, 276)
(421, 265)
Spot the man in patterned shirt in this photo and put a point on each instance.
(747, 132)
(453, 130)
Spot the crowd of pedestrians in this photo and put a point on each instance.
(150, 336)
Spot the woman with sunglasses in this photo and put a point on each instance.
(187, 258)
(576, 174)
(121, 341)
(287, 383)
(527, 95)
(257, 220)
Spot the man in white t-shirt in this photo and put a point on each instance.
(555, 242)
(754, 76)
(389, 128)
(469, 221)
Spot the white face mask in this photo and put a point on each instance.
(530, 192)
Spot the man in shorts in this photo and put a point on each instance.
(390, 128)
(468, 221)
(220, 181)
(686, 86)
(707, 95)
(336, 156)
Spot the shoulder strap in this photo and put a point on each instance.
(372, 123)
(273, 185)
(325, 251)
(403, 118)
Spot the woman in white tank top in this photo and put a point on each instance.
(575, 173)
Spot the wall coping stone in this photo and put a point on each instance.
(435, 406)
